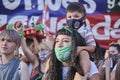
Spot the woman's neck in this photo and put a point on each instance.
(4, 59)
(64, 64)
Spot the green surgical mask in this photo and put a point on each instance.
(63, 53)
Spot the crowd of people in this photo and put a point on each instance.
(72, 54)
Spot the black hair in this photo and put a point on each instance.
(29, 41)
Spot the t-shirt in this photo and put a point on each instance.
(87, 35)
(5, 69)
(93, 71)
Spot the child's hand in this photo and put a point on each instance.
(48, 35)
(79, 49)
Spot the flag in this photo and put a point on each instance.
(46, 18)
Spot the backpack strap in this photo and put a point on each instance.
(14, 68)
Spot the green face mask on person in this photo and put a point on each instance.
(63, 54)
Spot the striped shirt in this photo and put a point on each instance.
(87, 35)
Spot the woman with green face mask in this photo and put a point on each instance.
(64, 62)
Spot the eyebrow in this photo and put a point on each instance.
(63, 38)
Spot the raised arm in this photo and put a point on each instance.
(29, 54)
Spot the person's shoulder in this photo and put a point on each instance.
(23, 64)
(84, 29)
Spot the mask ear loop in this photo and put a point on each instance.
(84, 23)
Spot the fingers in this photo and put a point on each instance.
(18, 26)
(79, 50)
(106, 54)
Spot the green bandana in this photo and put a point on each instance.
(63, 54)
(68, 29)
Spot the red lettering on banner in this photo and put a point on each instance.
(106, 28)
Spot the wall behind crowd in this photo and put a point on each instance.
(103, 17)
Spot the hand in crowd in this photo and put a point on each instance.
(106, 54)
(18, 26)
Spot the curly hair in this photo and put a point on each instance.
(55, 66)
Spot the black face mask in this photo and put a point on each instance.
(75, 23)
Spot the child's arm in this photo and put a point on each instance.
(88, 48)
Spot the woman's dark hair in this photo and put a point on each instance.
(29, 41)
(55, 66)
(98, 53)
